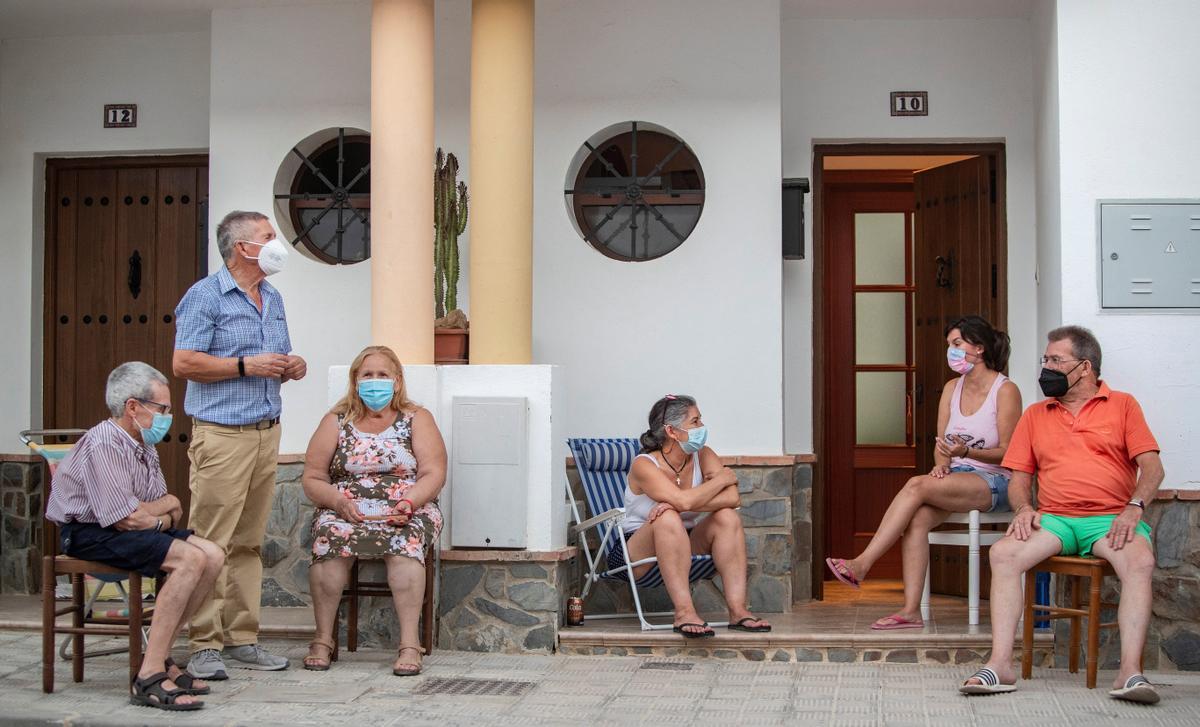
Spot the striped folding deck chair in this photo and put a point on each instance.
(603, 466)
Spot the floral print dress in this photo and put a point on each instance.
(378, 470)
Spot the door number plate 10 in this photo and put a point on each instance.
(910, 103)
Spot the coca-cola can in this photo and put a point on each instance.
(574, 611)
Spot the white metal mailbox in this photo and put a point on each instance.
(488, 472)
(1149, 253)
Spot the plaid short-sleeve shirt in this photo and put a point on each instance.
(218, 318)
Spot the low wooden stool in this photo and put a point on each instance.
(1074, 567)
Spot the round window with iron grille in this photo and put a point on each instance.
(635, 191)
(323, 196)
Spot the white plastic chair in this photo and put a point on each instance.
(973, 539)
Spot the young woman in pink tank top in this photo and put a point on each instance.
(976, 416)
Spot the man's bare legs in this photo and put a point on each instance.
(1134, 564)
(1010, 558)
(192, 567)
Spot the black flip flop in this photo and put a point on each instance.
(741, 626)
(694, 634)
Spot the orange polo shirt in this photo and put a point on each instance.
(1084, 464)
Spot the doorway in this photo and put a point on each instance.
(907, 237)
(125, 238)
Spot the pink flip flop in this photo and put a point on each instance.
(896, 622)
(841, 571)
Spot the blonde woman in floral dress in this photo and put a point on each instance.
(374, 469)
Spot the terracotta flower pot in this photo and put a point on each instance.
(450, 345)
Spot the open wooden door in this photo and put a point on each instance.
(869, 361)
(959, 271)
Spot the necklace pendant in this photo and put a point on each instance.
(677, 482)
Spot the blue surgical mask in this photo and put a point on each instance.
(376, 393)
(695, 441)
(160, 424)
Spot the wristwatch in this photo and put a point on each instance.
(241, 366)
(1137, 503)
(158, 527)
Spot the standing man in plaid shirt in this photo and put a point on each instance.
(232, 346)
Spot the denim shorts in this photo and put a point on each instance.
(998, 484)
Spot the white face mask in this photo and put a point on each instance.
(272, 257)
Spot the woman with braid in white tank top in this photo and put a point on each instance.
(680, 501)
(966, 475)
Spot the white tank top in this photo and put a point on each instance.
(638, 507)
(978, 431)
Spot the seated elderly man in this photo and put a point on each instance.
(110, 500)
(1097, 464)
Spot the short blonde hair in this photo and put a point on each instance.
(351, 407)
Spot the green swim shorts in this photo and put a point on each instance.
(1079, 534)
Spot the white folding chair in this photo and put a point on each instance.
(973, 539)
(603, 466)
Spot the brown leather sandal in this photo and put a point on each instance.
(312, 662)
(408, 669)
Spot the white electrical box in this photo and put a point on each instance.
(1149, 253)
(489, 472)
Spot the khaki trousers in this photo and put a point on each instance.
(232, 480)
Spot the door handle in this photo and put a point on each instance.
(135, 274)
(944, 271)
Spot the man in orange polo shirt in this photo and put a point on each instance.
(1097, 464)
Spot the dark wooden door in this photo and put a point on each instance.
(958, 272)
(869, 360)
(125, 237)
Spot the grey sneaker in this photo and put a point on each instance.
(207, 664)
(253, 656)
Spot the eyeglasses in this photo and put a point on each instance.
(1056, 360)
(161, 408)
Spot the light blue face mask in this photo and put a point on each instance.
(376, 393)
(160, 424)
(695, 441)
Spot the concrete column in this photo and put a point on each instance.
(402, 178)
(501, 183)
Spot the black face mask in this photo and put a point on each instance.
(1054, 383)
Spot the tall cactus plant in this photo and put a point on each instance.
(449, 220)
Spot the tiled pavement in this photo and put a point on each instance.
(576, 690)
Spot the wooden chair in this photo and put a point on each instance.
(1074, 568)
(81, 624)
(358, 588)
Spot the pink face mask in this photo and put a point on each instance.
(956, 358)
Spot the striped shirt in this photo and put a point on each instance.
(104, 478)
(218, 318)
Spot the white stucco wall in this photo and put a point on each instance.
(704, 319)
(1049, 226)
(52, 96)
(1128, 108)
(836, 78)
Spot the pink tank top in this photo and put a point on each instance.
(978, 431)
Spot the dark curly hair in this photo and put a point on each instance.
(978, 331)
